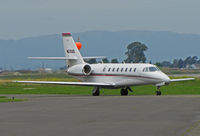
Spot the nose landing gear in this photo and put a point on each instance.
(158, 92)
(124, 92)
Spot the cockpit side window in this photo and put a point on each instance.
(150, 69)
(157, 68)
(146, 69)
(153, 69)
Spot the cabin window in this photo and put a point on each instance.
(130, 69)
(126, 69)
(113, 69)
(104, 69)
(109, 69)
(122, 69)
(117, 69)
(134, 69)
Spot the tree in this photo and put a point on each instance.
(180, 63)
(105, 60)
(63, 68)
(190, 60)
(166, 64)
(91, 61)
(175, 63)
(198, 62)
(114, 61)
(135, 52)
(158, 64)
(194, 59)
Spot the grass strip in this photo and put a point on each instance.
(6, 99)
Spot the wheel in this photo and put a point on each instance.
(124, 92)
(96, 91)
(158, 93)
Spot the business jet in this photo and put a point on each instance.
(106, 75)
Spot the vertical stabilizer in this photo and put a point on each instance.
(71, 51)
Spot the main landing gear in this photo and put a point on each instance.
(124, 91)
(95, 91)
(158, 92)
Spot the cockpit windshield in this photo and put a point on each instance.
(151, 69)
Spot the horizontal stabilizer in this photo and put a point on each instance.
(65, 58)
(183, 79)
(66, 83)
(95, 57)
(53, 58)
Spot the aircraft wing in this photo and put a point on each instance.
(183, 79)
(66, 83)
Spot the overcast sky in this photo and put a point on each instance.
(25, 18)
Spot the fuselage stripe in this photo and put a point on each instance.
(114, 75)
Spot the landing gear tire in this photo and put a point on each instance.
(158, 93)
(95, 91)
(124, 92)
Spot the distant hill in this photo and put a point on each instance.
(162, 46)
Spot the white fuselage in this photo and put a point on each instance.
(121, 74)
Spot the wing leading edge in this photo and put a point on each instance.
(66, 83)
(183, 79)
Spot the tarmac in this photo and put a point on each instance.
(69, 115)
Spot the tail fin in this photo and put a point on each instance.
(71, 51)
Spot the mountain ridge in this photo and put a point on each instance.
(163, 45)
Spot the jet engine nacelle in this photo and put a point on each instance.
(87, 70)
(82, 69)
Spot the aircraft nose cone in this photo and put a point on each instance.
(165, 78)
